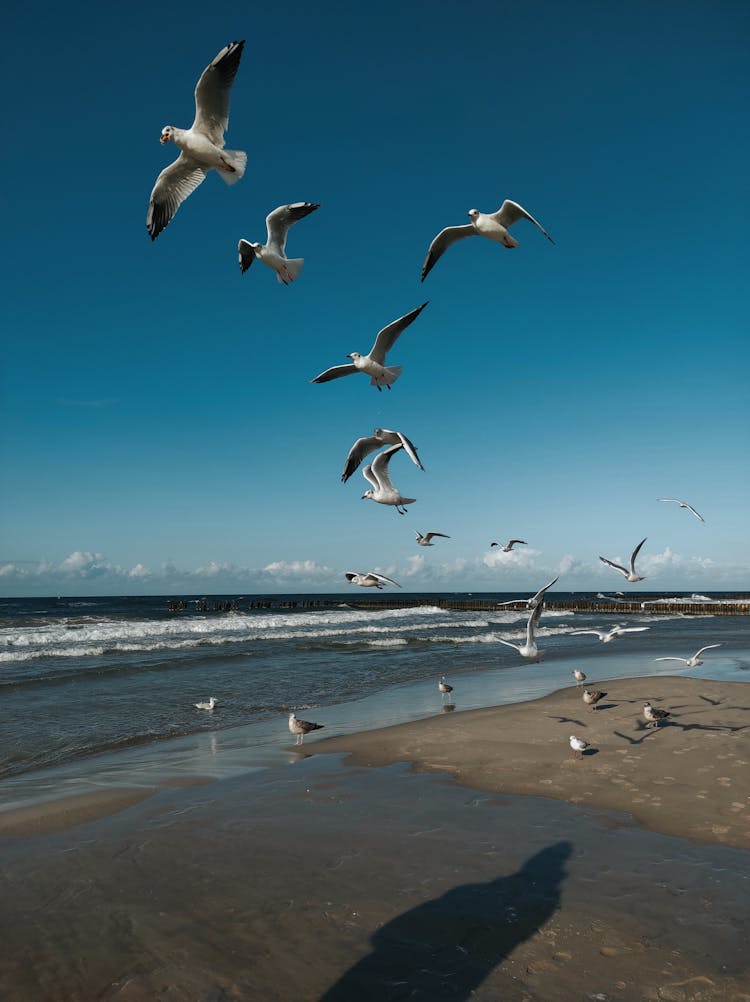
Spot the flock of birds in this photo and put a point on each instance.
(202, 149)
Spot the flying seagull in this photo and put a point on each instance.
(654, 715)
(374, 363)
(695, 660)
(684, 504)
(507, 547)
(381, 436)
(206, 705)
(578, 745)
(592, 696)
(382, 489)
(535, 600)
(493, 225)
(273, 252)
(444, 688)
(369, 580)
(628, 573)
(529, 649)
(606, 636)
(202, 145)
(425, 540)
(301, 727)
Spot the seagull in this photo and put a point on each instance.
(381, 436)
(369, 580)
(534, 601)
(578, 745)
(629, 574)
(579, 676)
(684, 504)
(607, 636)
(444, 687)
(202, 145)
(382, 489)
(654, 715)
(206, 705)
(592, 696)
(374, 363)
(507, 547)
(273, 252)
(695, 660)
(425, 540)
(493, 225)
(301, 727)
(529, 649)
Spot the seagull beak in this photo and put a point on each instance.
(163, 138)
(363, 497)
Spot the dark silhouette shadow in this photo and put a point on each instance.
(567, 720)
(446, 947)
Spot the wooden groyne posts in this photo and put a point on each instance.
(654, 607)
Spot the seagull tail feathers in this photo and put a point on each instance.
(392, 372)
(292, 268)
(237, 160)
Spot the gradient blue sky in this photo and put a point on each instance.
(158, 431)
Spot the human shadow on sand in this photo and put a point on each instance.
(446, 947)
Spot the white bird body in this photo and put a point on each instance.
(301, 727)
(202, 145)
(607, 636)
(380, 437)
(206, 705)
(654, 715)
(382, 489)
(579, 676)
(695, 660)
(428, 536)
(369, 580)
(273, 252)
(444, 687)
(628, 572)
(492, 225)
(529, 649)
(373, 364)
(578, 745)
(684, 504)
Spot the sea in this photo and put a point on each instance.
(101, 691)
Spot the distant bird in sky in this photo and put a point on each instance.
(507, 547)
(493, 225)
(654, 715)
(579, 676)
(374, 363)
(578, 745)
(369, 580)
(529, 649)
(206, 705)
(301, 727)
(428, 536)
(202, 145)
(273, 252)
(444, 688)
(593, 696)
(382, 489)
(695, 660)
(628, 572)
(380, 437)
(607, 636)
(684, 504)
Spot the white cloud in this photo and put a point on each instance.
(297, 568)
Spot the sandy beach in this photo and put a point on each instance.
(401, 864)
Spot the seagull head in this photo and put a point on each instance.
(473, 214)
(354, 355)
(167, 133)
(367, 494)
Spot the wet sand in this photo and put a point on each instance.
(335, 881)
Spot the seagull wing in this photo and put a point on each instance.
(634, 554)
(512, 542)
(532, 624)
(380, 467)
(442, 242)
(541, 591)
(370, 476)
(617, 567)
(335, 372)
(172, 187)
(361, 448)
(246, 253)
(279, 221)
(388, 336)
(507, 643)
(382, 577)
(671, 659)
(510, 212)
(431, 535)
(587, 633)
(212, 93)
(351, 575)
(630, 629)
(690, 508)
(409, 448)
(708, 648)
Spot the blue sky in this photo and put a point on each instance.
(158, 432)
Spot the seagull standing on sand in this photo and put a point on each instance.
(206, 705)
(507, 547)
(684, 504)
(202, 145)
(273, 252)
(301, 727)
(579, 676)
(695, 660)
(374, 363)
(529, 649)
(627, 572)
(444, 688)
(425, 540)
(380, 437)
(607, 637)
(592, 696)
(369, 580)
(382, 489)
(578, 745)
(493, 225)
(654, 715)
